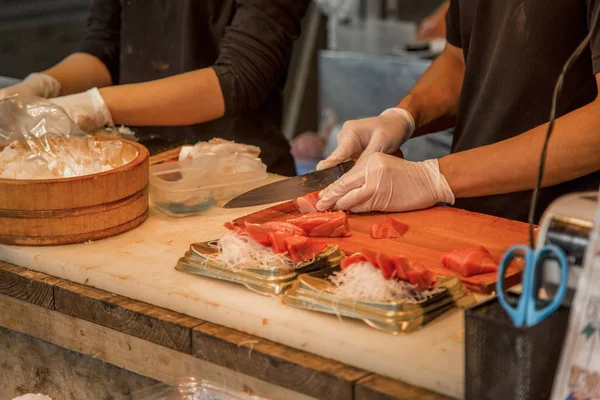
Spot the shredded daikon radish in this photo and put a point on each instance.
(237, 252)
(363, 281)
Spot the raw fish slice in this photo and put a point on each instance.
(420, 276)
(278, 242)
(387, 229)
(307, 203)
(386, 266)
(402, 267)
(259, 234)
(330, 229)
(353, 259)
(283, 227)
(325, 224)
(301, 248)
(370, 256)
(341, 231)
(470, 261)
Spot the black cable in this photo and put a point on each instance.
(557, 89)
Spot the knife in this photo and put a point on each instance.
(290, 188)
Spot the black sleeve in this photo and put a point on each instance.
(594, 24)
(103, 36)
(255, 50)
(453, 24)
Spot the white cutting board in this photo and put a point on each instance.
(140, 265)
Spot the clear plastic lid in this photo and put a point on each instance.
(191, 389)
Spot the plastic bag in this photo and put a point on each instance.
(217, 146)
(39, 141)
(191, 389)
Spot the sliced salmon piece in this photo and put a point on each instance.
(278, 242)
(420, 276)
(353, 259)
(283, 227)
(301, 248)
(388, 228)
(470, 261)
(402, 266)
(259, 234)
(323, 224)
(307, 203)
(386, 266)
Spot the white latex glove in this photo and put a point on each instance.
(86, 109)
(381, 182)
(385, 133)
(37, 85)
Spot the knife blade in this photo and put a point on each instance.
(290, 188)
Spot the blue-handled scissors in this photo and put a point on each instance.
(526, 313)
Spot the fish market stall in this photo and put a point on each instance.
(121, 301)
(169, 299)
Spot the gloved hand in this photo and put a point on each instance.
(385, 133)
(86, 109)
(37, 85)
(381, 182)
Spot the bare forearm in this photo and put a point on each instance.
(184, 99)
(433, 101)
(80, 72)
(512, 165)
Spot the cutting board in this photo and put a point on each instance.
(432, 233)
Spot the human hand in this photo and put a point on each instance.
(36, 85)
(381, 182)
(385, 133)
(88, 109)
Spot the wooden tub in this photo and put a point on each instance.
(75, 210)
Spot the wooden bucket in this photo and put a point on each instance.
(75, 210)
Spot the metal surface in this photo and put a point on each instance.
(199, 260)
(567, 224)
(290, 188)
(316, 293)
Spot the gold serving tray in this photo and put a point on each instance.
(315, 292)
(265, 281)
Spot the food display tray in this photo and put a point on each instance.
(313, 291)
(199, 260)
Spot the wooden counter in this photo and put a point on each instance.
(120, 301)
(69, 340)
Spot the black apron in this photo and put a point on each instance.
(161, 38)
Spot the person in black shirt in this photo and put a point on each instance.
(493, 82)
(182, 71)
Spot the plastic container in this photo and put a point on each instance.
(182, 188)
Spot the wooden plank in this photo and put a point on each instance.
(21, 283)
(376, 387)
(432, 233)
(142, 320)
(125, 351)
(30, 365)
(294, 369)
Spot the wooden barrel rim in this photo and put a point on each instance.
(85, 191)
